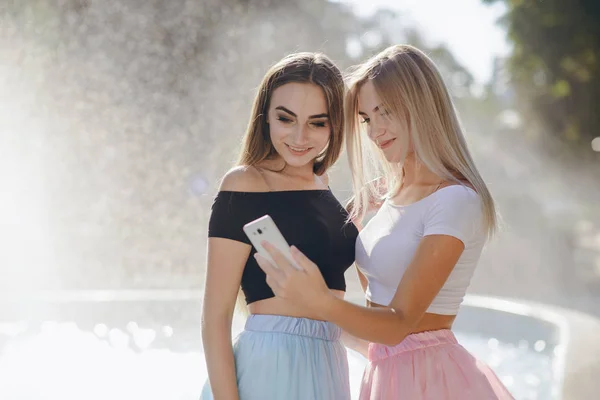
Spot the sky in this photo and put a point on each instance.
(469, 28)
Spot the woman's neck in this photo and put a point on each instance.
(303, 173)
(416, 173)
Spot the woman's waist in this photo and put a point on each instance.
(293, 325)
(281, 307)
(416, 341)
(429, 321)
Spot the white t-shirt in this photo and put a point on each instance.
(387, 244)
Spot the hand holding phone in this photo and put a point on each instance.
(264, 229)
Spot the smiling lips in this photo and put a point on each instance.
(298, 151)
(385, 144)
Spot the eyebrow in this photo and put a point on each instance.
(282, 108)
(374, 110)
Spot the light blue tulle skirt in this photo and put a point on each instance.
(286, 358)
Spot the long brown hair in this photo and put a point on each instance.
(315, 68)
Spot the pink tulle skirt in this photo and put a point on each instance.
(428, 366)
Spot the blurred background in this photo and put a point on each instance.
(118, 118)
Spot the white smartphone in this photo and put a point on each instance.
(264, 228)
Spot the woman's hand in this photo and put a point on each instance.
(303, 285)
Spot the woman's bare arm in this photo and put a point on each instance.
(433, 262)
(226, 260)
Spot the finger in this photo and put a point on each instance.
(275, 287)
(302, 260)
(282, 262)
(268, 268)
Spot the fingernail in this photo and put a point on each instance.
(294, 249)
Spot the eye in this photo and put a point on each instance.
(365, 120)
(283, 119)
(320, 124)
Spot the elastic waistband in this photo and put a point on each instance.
(294, 326)
(412, 342)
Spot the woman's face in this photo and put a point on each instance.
(383, 129)
(298, 122)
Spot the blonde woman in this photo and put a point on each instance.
(295, 134)
(419, 252)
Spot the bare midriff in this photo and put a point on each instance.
(279, 306)
(429, 322)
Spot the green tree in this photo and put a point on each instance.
(555, 67)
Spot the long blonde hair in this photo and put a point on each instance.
(412, 91)
(303, 67)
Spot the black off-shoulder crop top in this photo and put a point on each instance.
(312, 220)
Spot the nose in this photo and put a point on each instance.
(300, 136)
(377, 128)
